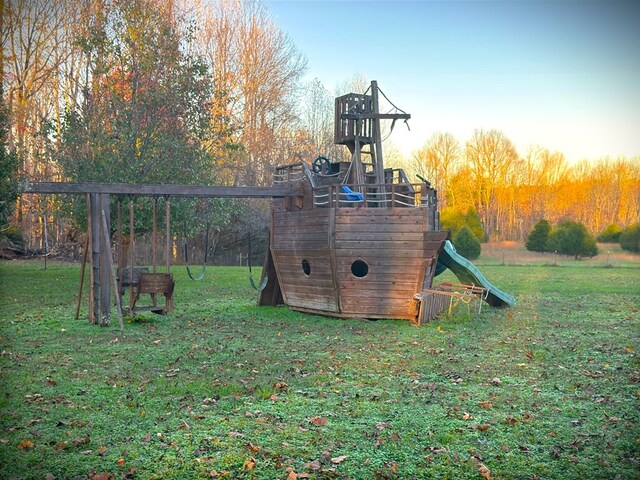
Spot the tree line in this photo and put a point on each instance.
(150, 91)
(512, 192)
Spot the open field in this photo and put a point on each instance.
(549, 389)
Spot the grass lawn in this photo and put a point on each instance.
(549, 389)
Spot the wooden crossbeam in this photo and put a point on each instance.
(148, 190)
(378, 116)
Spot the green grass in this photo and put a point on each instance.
(224, 389)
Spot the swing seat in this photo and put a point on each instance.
(351, 195)
(156, 283)
(125, 274)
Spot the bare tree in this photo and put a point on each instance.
(256, 69)
(491, 156)
(317, 115)
(31, 56)
(437, 159)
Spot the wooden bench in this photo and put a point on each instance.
(156, 283)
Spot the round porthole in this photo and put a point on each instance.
(359, 268)
(306, 267)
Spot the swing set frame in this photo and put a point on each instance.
(98, 254)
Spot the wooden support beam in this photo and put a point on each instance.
(121, 260)
(378, 116)
(94, 226)
(105, 255)
(131, 258)
(168, 233)
(201, 191)
(111, 270)
(377, 137)
(92, 313)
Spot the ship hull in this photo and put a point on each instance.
(354, 262)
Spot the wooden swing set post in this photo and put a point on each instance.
(99, 254)
(154, 247)
(84, 264)
(120, 240)
(168, 234)
(131, 247)
(92, 314)
(109, 256)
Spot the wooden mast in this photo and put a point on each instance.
(378, 162)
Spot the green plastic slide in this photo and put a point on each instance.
(468, 274)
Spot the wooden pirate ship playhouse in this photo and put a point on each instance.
(361, 240)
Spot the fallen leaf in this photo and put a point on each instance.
(25, 444)
(49, 476)
(252, 447)
(482, 428)
(184, 426)
(313, 465)
(100, 476)
(61, 446)
(466, 416)
(250, 463)
(337, 460)
(510, 420)
(318, 421)
(281, 385)
(381, 426)
(236, 435)
(292, 475)
(484, 471)
(129, 474)
(102, 450)
(486, 404)
(81, 441)
(438, 450)
(120, 462)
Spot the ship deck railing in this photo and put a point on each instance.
(295, 172)
(374, 196)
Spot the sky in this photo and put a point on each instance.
(564, 74)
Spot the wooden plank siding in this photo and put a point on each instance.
(304, 235)
(391, 242)
(395, 243)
